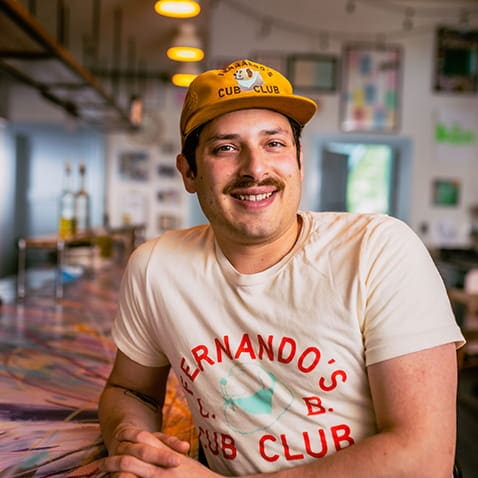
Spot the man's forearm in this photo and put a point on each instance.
(384, 455)
(120, 407)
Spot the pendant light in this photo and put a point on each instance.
(186, 46)
(185, 74)
(177, 8)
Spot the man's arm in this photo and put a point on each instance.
(414, 398)
(415, 404)
(131, 403)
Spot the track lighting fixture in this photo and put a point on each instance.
(185, 74)
(177, 8)
(186, 46)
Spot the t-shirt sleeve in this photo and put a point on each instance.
(134, 327)
(407, 307)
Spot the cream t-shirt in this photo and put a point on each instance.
(273, 364)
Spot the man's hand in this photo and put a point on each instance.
(143, 454)
(154, 447)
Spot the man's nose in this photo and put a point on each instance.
(253, 162)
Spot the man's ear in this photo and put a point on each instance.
(187, 174)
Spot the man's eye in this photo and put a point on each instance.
(275, 144)
(223, 148)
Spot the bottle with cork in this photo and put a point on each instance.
(67, 221)
(82, 204)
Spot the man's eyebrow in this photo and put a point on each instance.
(216, 137)
(264, 132)
(277, 130)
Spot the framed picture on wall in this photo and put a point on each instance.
(313, 72)
(456, 60)
(446, 192)
(273, 59)
(370, 96)
(219, 62)
(134, 165)
(167, 221)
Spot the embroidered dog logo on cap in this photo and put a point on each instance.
(247, 78)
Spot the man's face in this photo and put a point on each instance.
(248, 178)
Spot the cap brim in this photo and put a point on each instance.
(299, 108)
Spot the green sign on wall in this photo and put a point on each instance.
(455, 134)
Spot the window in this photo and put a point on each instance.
(358, 177)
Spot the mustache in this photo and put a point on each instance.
(248, 182)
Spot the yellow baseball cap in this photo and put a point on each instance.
(242, 84)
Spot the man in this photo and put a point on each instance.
(308, 344)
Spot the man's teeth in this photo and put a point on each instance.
(254, 197)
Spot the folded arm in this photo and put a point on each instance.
(414, 398)
(130, 408)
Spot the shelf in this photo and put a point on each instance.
(31, 56)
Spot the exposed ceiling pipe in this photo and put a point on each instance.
(131, 66)
(32, 7)
(61, 23)
(44, 47)
(95, 33)
(117, 20)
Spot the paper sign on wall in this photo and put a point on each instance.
(456, 135)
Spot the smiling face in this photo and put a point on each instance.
(248, 178)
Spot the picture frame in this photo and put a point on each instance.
(167, 170)
(446, 192)
(134, 165)
(273, 59)
(456, 61)
(313, 72)
(219, 62)
(371, 88)
(168, 195)
(167, 221)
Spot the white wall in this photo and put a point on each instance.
(159, 200)
(420, 107)
(35, 142)
(235, 35)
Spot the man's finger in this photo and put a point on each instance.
(159, 456)
(129, 465)
(136, 435)
(174, 442)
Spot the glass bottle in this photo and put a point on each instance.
(82, 204)
(66, 221)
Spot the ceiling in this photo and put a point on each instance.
(90, 56)
(352, 17)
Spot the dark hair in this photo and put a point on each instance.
(192, 140)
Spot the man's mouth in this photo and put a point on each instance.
(254, 194)
(253, 197)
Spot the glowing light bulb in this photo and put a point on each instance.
(186, 46)
(184, 53)
(177, 8)
(182, 79)
(185, 74)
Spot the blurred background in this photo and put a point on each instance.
(90, 98)
(90, 82)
